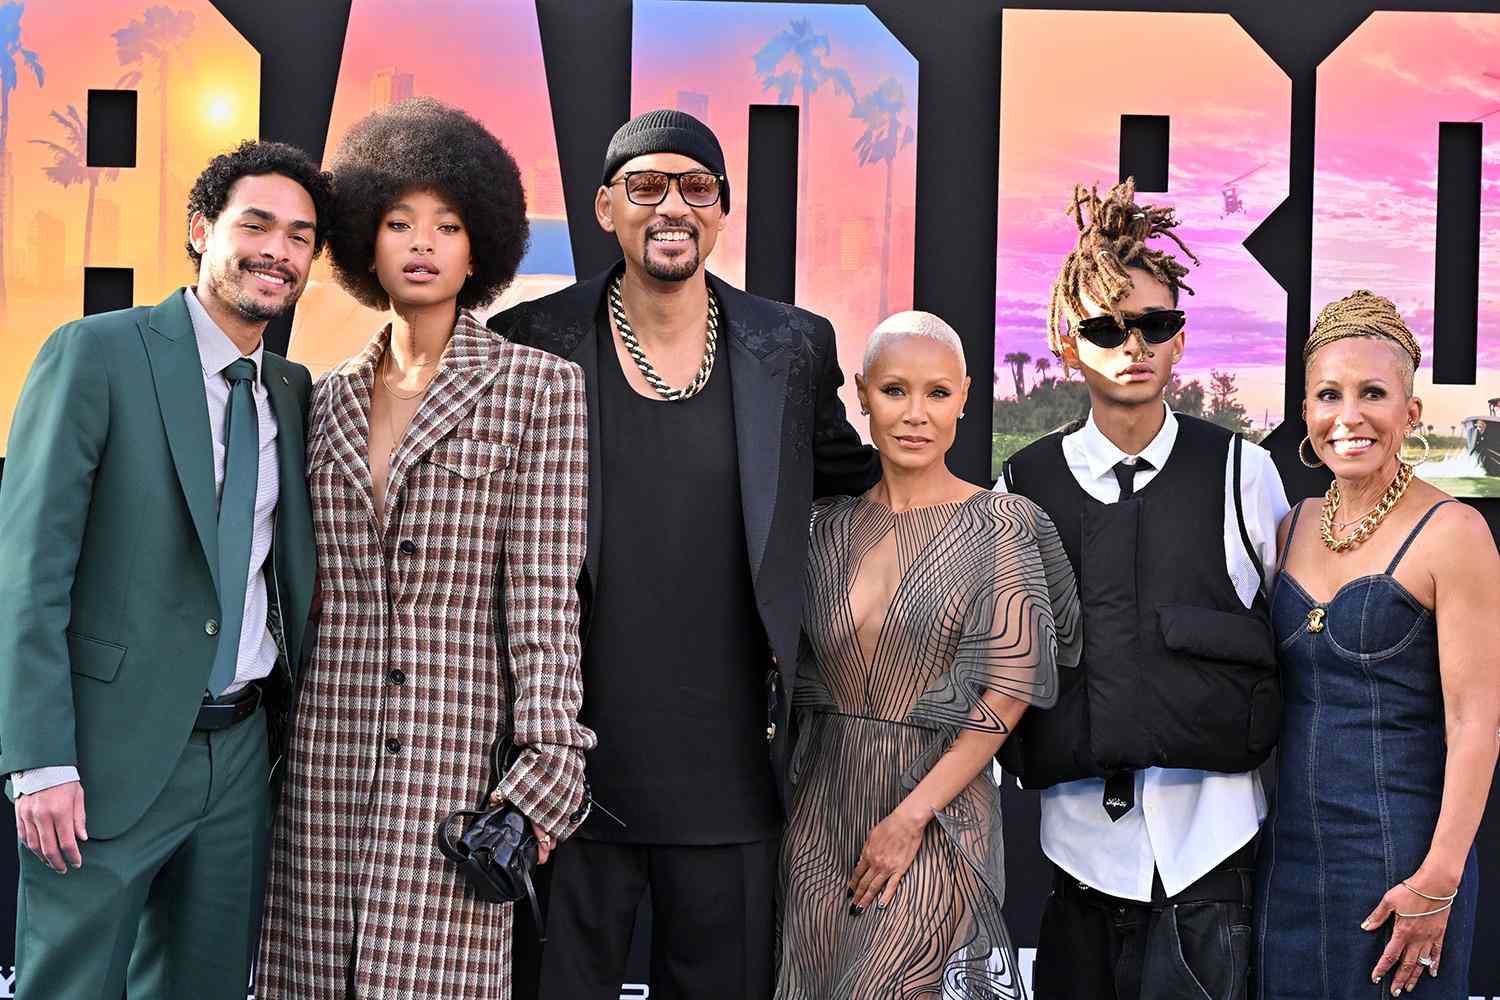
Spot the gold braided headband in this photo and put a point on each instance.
(1362, 314)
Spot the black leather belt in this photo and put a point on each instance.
(221, 713)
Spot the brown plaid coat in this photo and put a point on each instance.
(407, 688)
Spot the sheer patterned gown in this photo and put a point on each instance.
(911, 618)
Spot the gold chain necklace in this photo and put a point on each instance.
(1371, 521)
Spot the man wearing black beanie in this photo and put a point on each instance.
(714, 421)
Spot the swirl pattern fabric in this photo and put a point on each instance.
(911, 619)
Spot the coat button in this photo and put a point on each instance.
(396, 676)
(770, 732)
(407, 547)
(393, 745)
(210, 627)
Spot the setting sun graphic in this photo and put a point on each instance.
(220, 110)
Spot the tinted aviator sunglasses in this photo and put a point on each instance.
(648, 188)
(1157, 327)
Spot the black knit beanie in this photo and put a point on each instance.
(666, 131)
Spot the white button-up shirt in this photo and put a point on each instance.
(1185, 821)
(257, 652)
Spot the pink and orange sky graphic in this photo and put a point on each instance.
(211, 102)
(701, 58)
(1381, 97)
(1066, 78)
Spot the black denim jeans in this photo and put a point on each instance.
(1192, 946)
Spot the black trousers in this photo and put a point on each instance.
(1192, 946)
(712, 920)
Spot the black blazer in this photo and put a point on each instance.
(795, 444)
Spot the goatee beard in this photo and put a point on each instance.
(675, 270)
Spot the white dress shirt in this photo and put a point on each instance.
(257, 652)
(1185, 821)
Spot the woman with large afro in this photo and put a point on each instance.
(448, 473)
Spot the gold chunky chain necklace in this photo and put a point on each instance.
(633, 345)
(1371, 521)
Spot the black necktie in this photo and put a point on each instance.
(1125, 476)
(1119, 788)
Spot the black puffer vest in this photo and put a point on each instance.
(1175, 671)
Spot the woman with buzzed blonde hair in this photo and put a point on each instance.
(1387, 619)
(936, 612)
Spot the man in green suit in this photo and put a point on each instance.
(156, 570)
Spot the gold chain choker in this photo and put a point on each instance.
(1371, 521)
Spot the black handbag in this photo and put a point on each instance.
(496, 851)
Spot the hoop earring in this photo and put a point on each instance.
(1302, 457)
(1426, 449)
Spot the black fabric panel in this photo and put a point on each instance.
(1455, 297)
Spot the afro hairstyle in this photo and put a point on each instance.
(256, 159)
(424, 145)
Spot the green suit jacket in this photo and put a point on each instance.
(109, 570)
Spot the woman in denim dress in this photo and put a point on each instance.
(1388, 626)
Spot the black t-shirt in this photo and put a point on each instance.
(674, 668)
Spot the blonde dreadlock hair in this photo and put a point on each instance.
(1111, 239)
(1364, 314)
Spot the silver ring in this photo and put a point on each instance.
(1425, 960)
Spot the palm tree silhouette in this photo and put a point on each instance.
(70, 166)
(1018, 360)
(1043, 365)
(154, 36)
(801, 51)
(11, 49)
(885, 135)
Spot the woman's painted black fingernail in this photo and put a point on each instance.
(855, 911)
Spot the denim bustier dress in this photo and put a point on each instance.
(1360, 783)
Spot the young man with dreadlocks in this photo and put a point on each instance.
(1150, 799)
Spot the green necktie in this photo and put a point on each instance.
(236, 517)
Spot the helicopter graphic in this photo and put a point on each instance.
(1231, 192)
(1491, 111)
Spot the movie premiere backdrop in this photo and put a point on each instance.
(1309, 153)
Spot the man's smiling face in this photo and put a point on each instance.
(258, 252)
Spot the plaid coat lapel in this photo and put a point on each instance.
(347, 429)
(467, 369)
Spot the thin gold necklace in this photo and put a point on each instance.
(398, 435)
(397, 392)
(1354, 520)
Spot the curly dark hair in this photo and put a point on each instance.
(424, 145)
(256, 159)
